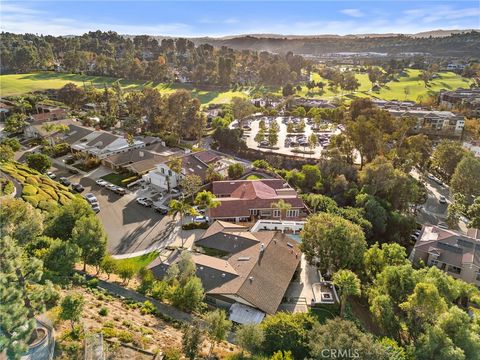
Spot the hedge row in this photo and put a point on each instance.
(38, 189)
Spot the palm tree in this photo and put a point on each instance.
(183, 208)
(348, 284)
(283, 206)
(205, 199)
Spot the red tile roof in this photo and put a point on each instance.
(57, 114)
(238, 197)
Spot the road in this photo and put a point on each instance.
(432, 212)
(130, 227)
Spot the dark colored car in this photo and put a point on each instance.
(65, 181)
(78, 188)
(73, 171)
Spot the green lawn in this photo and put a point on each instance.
(119, 179)
(254, 177)
(393, 90)
(18, 84)
(139, 261)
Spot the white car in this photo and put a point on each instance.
(101, 182)
(110, 186)
(51, 175)
(201, 219)
(92, 199)
(442, 200)
(145, 201)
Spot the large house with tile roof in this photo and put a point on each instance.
(249, 200)
(254, 275)
(450, 251)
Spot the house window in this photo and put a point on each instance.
(292, 213)
(478, 276)
(169, 172)
(253, 211)
(454, 269)
(434, 262)
(276, 213)
(163, 171)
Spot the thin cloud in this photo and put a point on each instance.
(357, 13)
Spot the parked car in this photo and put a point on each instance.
(442, 200)
(161, 209)
(91, 198)
(145, 201)
(51, 175)
(73, 171)
(65, 181)
(101, 182)
(201, 219)
(119, 190)
(78, 188)
(110, 186)
(96, 207)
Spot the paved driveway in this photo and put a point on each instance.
(130, 227)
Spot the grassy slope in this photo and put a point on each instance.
(18, 84)
(139, 261)
(21, 83)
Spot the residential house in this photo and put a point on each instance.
(312, 103)
(197, 163)
(142, 160)
(249, 200)
(100, 143)
(39, 129)
(450, 251)
(52, 114)
(473, 146)
(251, 280)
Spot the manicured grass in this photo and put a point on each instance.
(393, 90)
(254, 177)
(38, 189)
(18, 84)
(138, 262)
(119, 179)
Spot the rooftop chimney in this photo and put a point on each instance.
(262, 247)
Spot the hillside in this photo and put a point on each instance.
(433, 42)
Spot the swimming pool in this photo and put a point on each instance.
(295, 237)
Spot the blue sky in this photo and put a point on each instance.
(221, 18)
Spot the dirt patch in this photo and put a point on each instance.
(122, 322)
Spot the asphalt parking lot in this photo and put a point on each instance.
(130, 226)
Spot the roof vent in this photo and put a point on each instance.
(244, 258)
(223, 275)
(201, 268)
(250, 278)
(262, 247)
(290, 245)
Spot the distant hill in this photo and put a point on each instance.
(436, 42)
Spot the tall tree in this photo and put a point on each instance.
(250, 337)
(466, 178)
(218, 327)
(348, 285)
(206, 200)
(446, 157)
(20, 220)
(191, 340)
(39, 162)
(88, 234)
(71, 308)
(24, 293)
(332, 243)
